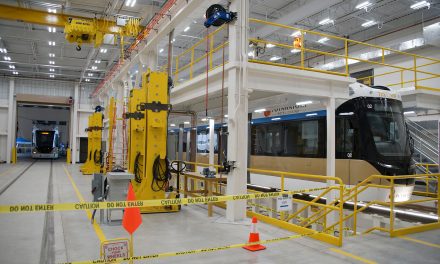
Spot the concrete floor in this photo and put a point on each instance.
(69, 236)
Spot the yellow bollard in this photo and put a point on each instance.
(68, 156)
(14, 155)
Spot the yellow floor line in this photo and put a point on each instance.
(364, 260)
(96, 226)
(420, 241)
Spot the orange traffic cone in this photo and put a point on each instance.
(254, 236)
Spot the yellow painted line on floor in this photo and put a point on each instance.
(96, 226)
(350, 255)
(420, 241)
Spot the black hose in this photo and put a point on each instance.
(161, 174)
(97, 160)
(136, 169)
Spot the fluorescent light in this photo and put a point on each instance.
(52, 76)
(346, 114)
(172, 125)
(363, 5)
(90, 74)
(420, 4)
(369, 23)
(50, 10)
(276, 118)
(260, 110)
(103, 50)
(226, 116)
(94, 67)
(326, 21)
(295, 50)
(3, 50)
(172, 41)
(304, 103)
(97, 61)
(7, 58)
(128, 3)
(270, 45)
(205, 119)
(296, 34)
(133, 3)
(186, 29)
(409, 113)
(186, 123)
(51, 43)
(15, 73)
(161, 50)
(51, 62)
(312, 114)
(52, 29)
(51, 55)
(322, 40)
(87, 80)
(11, 67)
(51, 70)
(275, 58)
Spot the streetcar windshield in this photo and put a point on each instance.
(45, 138)
(387, 127)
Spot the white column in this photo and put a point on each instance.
(74, 122)
(331, 153)
(237, 110)
(11, 125)
(211, 143)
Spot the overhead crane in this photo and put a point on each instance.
(77, 29)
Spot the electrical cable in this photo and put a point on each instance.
(136, 169)
(95, 159)
(161, 174)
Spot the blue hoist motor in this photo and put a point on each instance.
(217, 15)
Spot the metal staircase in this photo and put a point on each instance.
(425, 146)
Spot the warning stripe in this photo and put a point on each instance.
(31, 208)
(194, 251)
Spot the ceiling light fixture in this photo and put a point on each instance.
(97, 61)
(161, 50)
(3, 50)
(275, 58)
(90, 74)
(409, 113)
(51, 76)
(94, 67)
(186, 123)
(369, 23)
(326, 21)
(51, 55)
(87, 80)
(11, 67)
(51, 62)
(364, 5)
(304, 103)
(172, 125)
(186, 29)
(52, 29)
(51, 43)
(7, 58)
(52, 10)
(226, 116)
(51, 70)
(102, 50)
(322, 40)
(15, 73)
(296, 34)
(420, 4)
(130, 3)
(260, 110)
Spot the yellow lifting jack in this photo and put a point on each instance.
(148, 118)
(94, 153)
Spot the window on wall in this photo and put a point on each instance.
(203, 141)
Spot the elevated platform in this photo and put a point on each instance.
(69, 236)
(420, 98)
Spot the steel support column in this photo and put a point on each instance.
(331, 152)
(74, 121)
(11, 126)
(237, 109)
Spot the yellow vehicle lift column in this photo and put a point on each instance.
(148, 118)
(94, 154)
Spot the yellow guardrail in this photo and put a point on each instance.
(427, 167)
(347, 57)
(334, 238)
(213, 42)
